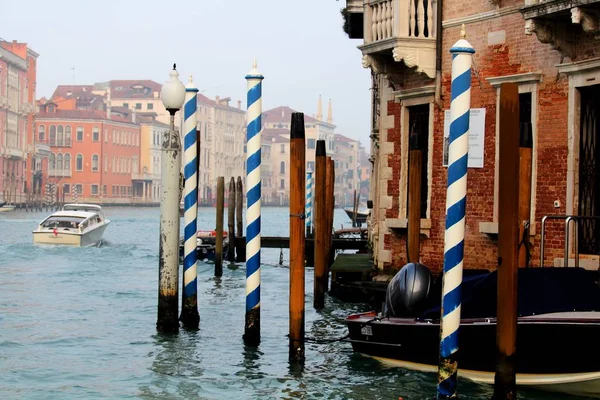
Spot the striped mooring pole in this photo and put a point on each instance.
(189, 296)
(456, 200)
(75, 194)
(253, 195)
(309, 184)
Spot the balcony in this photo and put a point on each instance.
(42, 148)
(403, 29)
(562, 23)
(143, 177)
(59, 173)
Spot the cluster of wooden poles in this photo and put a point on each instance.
(323, 226)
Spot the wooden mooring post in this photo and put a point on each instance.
(330, 201)
(231, 220)
(415, 159)
(297, 238)
(240, 249)
(354, 209)
(219, 230)
(509, 224)
(525, 165)
(320, 227)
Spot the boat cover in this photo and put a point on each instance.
(540, 291)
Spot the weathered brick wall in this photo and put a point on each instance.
(518, 54)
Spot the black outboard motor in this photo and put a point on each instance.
(408, 290)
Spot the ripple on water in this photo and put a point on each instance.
(80, 324)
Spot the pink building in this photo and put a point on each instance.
(18, 152)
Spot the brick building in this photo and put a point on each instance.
(21, 158)
(94, 152)
(550, 50)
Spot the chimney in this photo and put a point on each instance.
(239, 104)
(217, 98)
(330, 114)
(320, 109)
(108, 105)
(133, 116)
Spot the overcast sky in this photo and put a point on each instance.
(299, 45)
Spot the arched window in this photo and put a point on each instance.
(41, 133)
(79, 134)
(282, 167)
(52, 135)
(79, 165)
(52, 161)
(95, 162)
(68, 135)
(95, 135)
(60, 136)
(59, 162)
(67, 162)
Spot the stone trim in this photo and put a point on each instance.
(527, 77)
(412, 93)
(470, 19)
(579, 66)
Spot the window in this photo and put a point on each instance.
(79, 166)
(79, 134)
(149, 106)
(52, 135)
(94, 190)
(104, 190)
(311, 166)
(105, 135)
(41, 133)
(60, 136)
(95, 162)
(138, 106)
(95, 134)
(59, 162)
(126, 105)
(282, 184)
(68, 135)
(68, 162)
(79, 189)
(283, 149)
(52, 161)
(282, 167)
(310, 144)
(66, 188)
(114, 190)
(105, 164)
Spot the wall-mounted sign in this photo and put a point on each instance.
(476, 137)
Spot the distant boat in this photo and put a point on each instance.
(361, 215)
(6, 207)
(206, 245)
(75, 225)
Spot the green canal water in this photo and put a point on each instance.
(79, 323)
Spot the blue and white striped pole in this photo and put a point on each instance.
(456, 199)
(309, 184)
(189, 296)
(253, 195)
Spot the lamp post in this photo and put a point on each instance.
(172, 96)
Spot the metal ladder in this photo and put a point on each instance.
(568, 219)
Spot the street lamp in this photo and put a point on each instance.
(172, 95)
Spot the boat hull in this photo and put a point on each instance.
(361, 218)
(91, 237)
(543, 360)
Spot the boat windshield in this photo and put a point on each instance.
(62, 222)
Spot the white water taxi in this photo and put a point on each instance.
(75, 225)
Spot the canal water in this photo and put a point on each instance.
(79, 323)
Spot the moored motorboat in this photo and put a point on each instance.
(361, 215)
(75, 225)
(206, 243)
(557, 330)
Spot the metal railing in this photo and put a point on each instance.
(568, 219)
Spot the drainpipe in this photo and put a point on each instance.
(438, 55)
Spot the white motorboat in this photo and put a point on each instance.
(75, 225)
